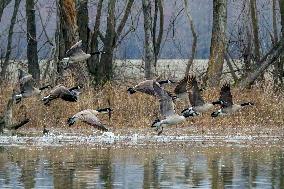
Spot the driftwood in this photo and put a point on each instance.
(14, 126)
(270, 58)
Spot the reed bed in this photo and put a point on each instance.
(139, 110)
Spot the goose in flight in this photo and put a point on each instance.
(167, 109)
(198, 105)
(147, 86)
(89, 116)
(27, 86)
(226, 102)
(60, 91)
(76, 54)
(181, 89)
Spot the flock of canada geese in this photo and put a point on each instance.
(186, 89)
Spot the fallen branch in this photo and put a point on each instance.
(16, 126)
(270, 58)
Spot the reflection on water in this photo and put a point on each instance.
(175, 167)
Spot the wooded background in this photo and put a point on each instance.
(221, 31)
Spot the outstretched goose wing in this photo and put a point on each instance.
(88, 117)
(226, 95)
(75, 49)
(26, 83)
(145, 87)
(167, 106)
(181, 86)
(195, 97)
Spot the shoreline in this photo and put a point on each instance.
(144, 137)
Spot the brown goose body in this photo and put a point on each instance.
(226, 102)
(146, 87)
(197, 103)
(89, 116)
(62, 92)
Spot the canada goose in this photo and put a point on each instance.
(226, 102)
(180, 90)
(27, 86)
(196, 100)
(147, 86)
(76, 54)
(6, 121)
(60, 91)
(167, 109)
(89, 116)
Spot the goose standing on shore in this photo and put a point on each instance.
(27, 86)
(89, 116)
(60, 91)
(167, 109)
(198, 105)
(147, 86)
(226, 102)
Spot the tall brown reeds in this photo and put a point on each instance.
(139, 110)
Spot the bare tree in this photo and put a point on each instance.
(32, 55)
(194, 35)
(68, 28)
(102, 68)
(6, 121)
(218, 43)
(274, 21)
(3, 5)
(93, 62)
(255, 28)
(10, 39)
(82, 22)
(148, 44)
(157, 40)
(278, 67)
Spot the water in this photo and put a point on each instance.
(172, 165)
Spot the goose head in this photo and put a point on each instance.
(156, 122)
(217, 113)
(130, 90)
(189, 112)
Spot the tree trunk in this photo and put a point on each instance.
(194, 41)
(68, 28)
(148, 44)
(32, 55)
(274, 21)
(9, 41)
(3, 4)
(278, 67)
(247, 54)
(82, 22)
(157, 41)
(6, 121)
(102, 68)
(94, 61)
(280, 64)
(218, 43)
(254, 21)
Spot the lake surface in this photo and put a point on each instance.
(166, 166)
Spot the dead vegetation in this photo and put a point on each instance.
(139, 110)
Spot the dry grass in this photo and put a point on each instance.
(139, 110)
